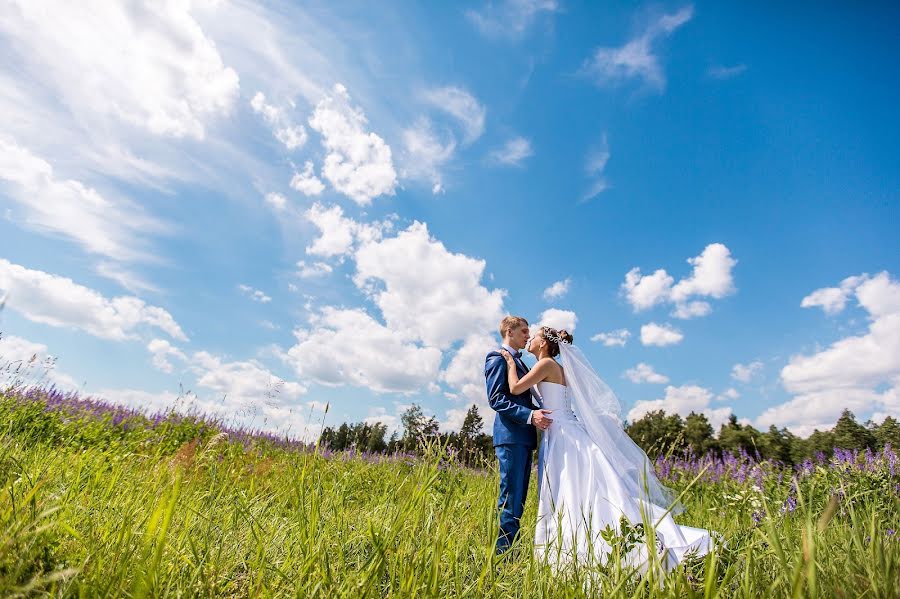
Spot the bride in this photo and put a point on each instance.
(593, 473)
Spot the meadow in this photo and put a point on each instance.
(101, 501)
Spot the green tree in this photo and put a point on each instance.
(887, 433)
(777, 445)
(474, 446)
(734, 437)
(472, 424)
(849, 434)
(820, 442)
(657, 433)
(699, 434)
(417, 428)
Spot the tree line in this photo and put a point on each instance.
(656, 432)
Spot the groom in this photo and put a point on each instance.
(515, 434)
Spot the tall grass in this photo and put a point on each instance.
(92, 505)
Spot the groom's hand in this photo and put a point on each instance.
(541, 419)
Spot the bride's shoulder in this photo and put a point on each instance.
(546, 363)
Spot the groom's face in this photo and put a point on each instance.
(518, 336)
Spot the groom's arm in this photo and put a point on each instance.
(498, 398)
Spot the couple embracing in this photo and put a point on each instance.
(590, 473)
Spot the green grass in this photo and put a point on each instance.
(145, 512)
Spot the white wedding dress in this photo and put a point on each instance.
(592, 477)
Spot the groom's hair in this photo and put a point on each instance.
(511, 322)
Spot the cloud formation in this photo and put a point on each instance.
(306, 182)
(617, 338)
(150, 65)
(644, 373)
(557, 290)
(859, 372)
(349, 347)
(60, 302)
(636, 59)
(595, 168)
(112, 227)
(462, 106)
(711, 277)
(745, 372)
(682, 401)
(557, 319)
(660, 335)
(423, 290)
(358, 163)
(509, 18)
(513, 152)
(291, 135)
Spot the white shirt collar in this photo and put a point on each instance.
(508, 348)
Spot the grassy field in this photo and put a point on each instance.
(100, 502)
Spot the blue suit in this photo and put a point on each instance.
(514, 442)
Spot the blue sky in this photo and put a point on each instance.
(278, 206)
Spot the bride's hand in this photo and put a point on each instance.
(507, 356)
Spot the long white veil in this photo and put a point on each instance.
(598, 409)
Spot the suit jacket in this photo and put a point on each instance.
(511, 424)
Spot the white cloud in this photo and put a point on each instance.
(833, 299)
(110, 227)
(424, 291)
(242, 383)
(509, 18)
(426, 153)
(349, 347)
(557, 290)
(728, 394)
(26, 362)
(710, 277)
(613, 338)
(644, 373)
(151, 66)
(307, 182)
(692, 309)
(745, 372)
(60, 302)
(636, 59)
(859, 372)
(292, 136)
(557, 319)
(462, 106)
(358, 163)
(682, 401)
(465, 372)
(124, 277)
(595, 167)
(723, 72)
(241, 394)
(161, 350)
(277, 201)
(429, 298)
(255, 294)
(513, 152)
(660, 335)
(646, 291)
(338, 233)
(311, 270)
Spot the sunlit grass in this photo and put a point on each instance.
(94, 505)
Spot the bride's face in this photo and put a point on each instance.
(534, 344)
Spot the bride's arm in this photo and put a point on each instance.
(537, 374)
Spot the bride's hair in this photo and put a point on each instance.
(554, 338)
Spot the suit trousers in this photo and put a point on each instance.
(515, 471)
